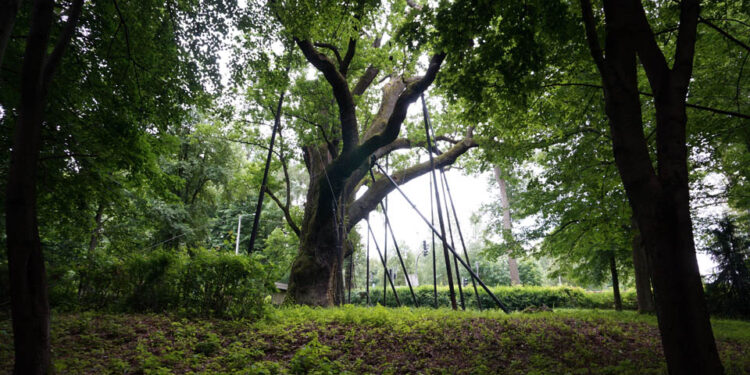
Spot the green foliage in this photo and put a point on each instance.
(312, 359)
(515, 298)
(728, 291)
(203, 283)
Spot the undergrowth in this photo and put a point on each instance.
(357, 340)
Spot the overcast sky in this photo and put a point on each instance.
(469, 194)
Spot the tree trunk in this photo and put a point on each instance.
(515, 278)
(97, 228)
(316, 278)
(615, 283)
(642, 274)
(28, 281)
(660, 200)
(8, 11)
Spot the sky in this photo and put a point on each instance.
(470, 192)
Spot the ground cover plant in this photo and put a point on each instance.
(356, 340)
(141, 138)
(514, 298)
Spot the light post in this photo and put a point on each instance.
(237, 242)
(424, 252)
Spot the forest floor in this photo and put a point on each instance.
(358, 340)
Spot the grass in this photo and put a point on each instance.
(303, 340)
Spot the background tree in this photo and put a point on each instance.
(729, 289)
(85, 128)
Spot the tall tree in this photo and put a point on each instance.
(515, 279)
(28, 283)
(659, 198)
(338, 152)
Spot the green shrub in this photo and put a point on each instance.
(223, 284)
(515, 298)
(203, 283)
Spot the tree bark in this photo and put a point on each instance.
(660, 200)
(28, 282)
(615, 283)
(515, 278)
(8, 11)
(97, 232)
(642, 274)
(316, 278)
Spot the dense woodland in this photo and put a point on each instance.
(187, 158)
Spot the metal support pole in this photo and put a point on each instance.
(367, 261)
(263, 187)
(435, 231)
(434, 258)
(385, 240)
(350, 277)
(461, 237)
(385, 267)
(395, 245)
(453, 243)
(439, 209)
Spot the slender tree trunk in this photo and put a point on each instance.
(615, 283)
(28, 282)
(97, 232)
(642, 274)
(515, 278)
(8, 11)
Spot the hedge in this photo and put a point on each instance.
(203, 283)
(515, 298)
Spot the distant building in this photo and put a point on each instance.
(278, 297)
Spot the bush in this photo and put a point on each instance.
(515, 298)
(204, 283)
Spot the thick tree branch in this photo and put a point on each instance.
(8, 11)
(592, 38)
(694, 106)
(382, 186)
(332, 48)
(724, 33)
(344, 65)
(413, 4)
(54, 58)
(685, 52)
(407, 97)
(344, 99)
(651, 56)
(365, 80)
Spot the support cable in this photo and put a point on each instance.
(453, 242)
(448, 248)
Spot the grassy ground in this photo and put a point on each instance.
(358, 340)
